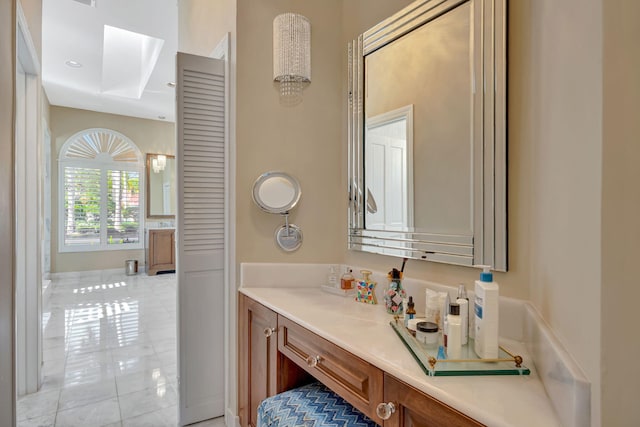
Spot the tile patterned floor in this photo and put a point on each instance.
(109, 354)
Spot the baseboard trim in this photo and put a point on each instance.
(230, 419)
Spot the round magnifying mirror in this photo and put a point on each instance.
(276, 192)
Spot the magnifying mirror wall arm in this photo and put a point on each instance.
(286, 222)
(277, 193)
(486, 241)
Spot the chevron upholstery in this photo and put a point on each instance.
(313, 405)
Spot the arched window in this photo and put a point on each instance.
(100, 173)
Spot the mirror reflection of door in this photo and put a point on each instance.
(161, 187)
(389, 170)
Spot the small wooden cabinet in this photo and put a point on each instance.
(258, 350)
(412, 408)
(263, 370)
(161, 251)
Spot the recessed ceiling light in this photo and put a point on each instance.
(171, 84)
(73, 64)
(162, 117)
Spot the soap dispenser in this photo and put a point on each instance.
(486, 315)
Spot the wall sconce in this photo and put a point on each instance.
(159, 163)
(291, 56)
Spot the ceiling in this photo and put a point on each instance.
(121, 72)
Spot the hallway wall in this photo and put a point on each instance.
(151, 136)
(7, 251)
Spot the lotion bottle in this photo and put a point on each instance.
(463, 301)
(486, 315)
(454, 332)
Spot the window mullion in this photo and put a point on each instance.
(104, 203)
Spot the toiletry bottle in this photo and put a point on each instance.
(366, 288)
(346, 282)
(395, 293)
(410, 312)
(454, 332)
(464, 312)
(445, 315)
(332, 279)
(486, 315)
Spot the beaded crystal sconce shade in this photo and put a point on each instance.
(291, 55)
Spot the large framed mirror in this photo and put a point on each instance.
(161, 186)
(427, 134)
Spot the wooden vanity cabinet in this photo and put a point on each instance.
(277, 354)
(258, 354)
(161, 251)
(357, 381)
(416, 409)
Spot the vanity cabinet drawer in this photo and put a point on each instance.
(357, 381)
(407, 407)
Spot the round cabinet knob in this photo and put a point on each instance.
(312, 361)
(269, 331)
(385, 410)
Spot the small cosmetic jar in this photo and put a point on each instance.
(412, 323)
(427, 333)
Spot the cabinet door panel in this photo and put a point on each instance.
(258, 358)
(416, 409)
(357, 381)
(162, 252)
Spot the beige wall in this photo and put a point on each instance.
(33, 13)
(151, 136)
(557, 99)
(7, 318)
(203, 23)
(620, 207)
(304, 140)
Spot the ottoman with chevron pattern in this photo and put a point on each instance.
(313, 405)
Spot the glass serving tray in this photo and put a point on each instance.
(434, 363)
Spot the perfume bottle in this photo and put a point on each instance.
(346, 281)
(395, 293)
(366, 289)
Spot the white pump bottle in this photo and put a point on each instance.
(486, 315)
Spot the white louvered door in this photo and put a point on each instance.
(200, 227)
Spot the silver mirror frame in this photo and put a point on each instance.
(288, 236)
(262, 179)
(488, 245)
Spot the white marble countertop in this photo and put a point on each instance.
(364, 330)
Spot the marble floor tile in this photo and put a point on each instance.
(168, 358)
(136, 350)
(102, 337)
(146, 401)
(135, 364)
(52, 382)
(214, 422)
(167, 417)
(95, 414)
(54, 353)
(153, 379)
(37, 404)
(83, 394)
(167, 344)
(44, 421)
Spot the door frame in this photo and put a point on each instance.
(28, 277)
(222, 51)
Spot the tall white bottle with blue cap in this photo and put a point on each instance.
(486, 312)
